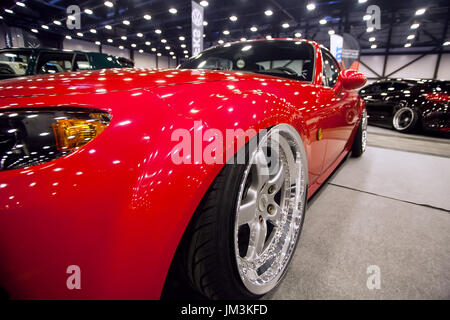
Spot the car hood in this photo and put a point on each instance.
(107, 80)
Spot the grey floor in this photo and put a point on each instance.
(389, 208)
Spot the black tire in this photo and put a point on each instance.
(206, 256)
(405, 119)
(360, 142)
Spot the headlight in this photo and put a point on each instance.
(29, 138)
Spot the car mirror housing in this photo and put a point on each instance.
(350, 79)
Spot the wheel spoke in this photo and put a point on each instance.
(278, 178)
(261, 170)
(261, 237)
(258, 232)
(247, 210)
(275, 218)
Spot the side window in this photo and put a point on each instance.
(398, 86)
(330, 70)
(81, 63)
(54, 62)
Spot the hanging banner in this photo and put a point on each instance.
(197, 28)
(350, 51)
(336, 46)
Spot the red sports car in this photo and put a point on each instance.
(108, 178)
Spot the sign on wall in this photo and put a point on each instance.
(197, 28)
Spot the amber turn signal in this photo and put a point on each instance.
(71, 134)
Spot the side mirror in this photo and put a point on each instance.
(350, 79)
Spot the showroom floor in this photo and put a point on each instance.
(389, 208)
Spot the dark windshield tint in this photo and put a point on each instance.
(288, 59)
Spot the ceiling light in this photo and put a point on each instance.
(183, 46)
(109, 4)
(205, 23)
(446, 43)
(367, 17)
(226, 32)
(147, 43)
(310, 6)
(362, 1)
(410, 37)
(140, 35)
(323, 21)
(154, 49)
(123, 37)
(253, 29)
(34, 30)
(108, 27)
(110, 40)
(268, 13)
(58, 23)
(68, 37)
(173, 11)
(133, 45)
(163, 40)
(181, 38)
(159, 54)
(20, 4)
(407, 45)
(88, 11)
(9, 11)
(141, 51)
(285, 25)
(171, 53)
(79, 34)
(220, 41)
(369, 29)
(186, 56)
(71, 17)
(147, 17)
(98, 43)
(158, 31)
(126, 22)
(415, 26)
(372, 39)
(204, 3)
(330, 32)
(269, 37)
(121, 47)
(233, 18)
(420, 11)
(93, 31)
(243, 39)
(374, 46)
(167, 47)
(44, 27)
(174, 57)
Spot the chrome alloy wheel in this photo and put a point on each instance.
(403, 118)
(270, 209)
(364, 130)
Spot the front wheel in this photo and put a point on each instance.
(245, 231)
(360, 142)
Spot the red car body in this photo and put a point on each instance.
(118, 206)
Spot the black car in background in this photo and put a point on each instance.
(409, 104)
(19, 62)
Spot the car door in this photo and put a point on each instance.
(377, 98)
(341, 110)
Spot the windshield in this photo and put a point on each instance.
(288, 59)
(14, 63)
